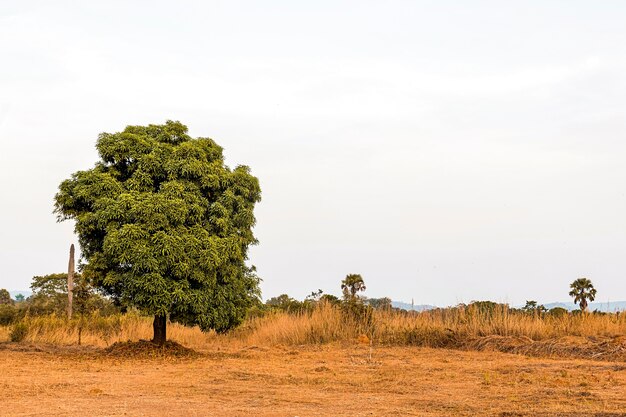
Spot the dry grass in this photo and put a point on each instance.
(589, 336)
(102, 331)
(466, 328)
(323, 363)
(471, 322)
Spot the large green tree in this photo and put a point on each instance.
(165, 225)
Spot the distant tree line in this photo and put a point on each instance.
(49, 296)
(582, 290)
(352, 287)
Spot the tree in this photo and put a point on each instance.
(50, 295)
(558, 312)
(330, 299)
(351, 285)
(50, 285)
(8, 313)
(383, 303)
(5, 297)
(533, 308)
(314, 296)
(582, 290)
(285, 303)
(82, 303)
(311, 300)
(164, 225)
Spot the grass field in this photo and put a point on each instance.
(326, 380)
(321, 363)
(574, 336)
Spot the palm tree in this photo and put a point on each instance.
(582, 291)
(351, 285)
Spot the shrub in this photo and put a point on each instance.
(8, 313)
(19, 332)
(558, 312)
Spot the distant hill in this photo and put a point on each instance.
(408, 306)
(600, 306)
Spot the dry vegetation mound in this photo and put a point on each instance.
(49, 348)
(607, 348)
(147, 349)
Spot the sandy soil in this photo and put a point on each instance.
(337, 380)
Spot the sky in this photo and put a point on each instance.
(447, 151)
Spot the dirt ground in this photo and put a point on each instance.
(333, 380)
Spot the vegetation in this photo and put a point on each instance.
(532, 307)
(50, 296)
(583, 292)
(285, 303)
(461, 327)
(323, 318)
(19, 332)
(351, 286)
(558, 312)
(8, 314)
(165, 226)
(5, 297)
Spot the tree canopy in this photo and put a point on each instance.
(49, 294)
(582, 291)
(5, 297)
(351, 285)
(165, 226)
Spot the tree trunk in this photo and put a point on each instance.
(70, 282)
(159, 326)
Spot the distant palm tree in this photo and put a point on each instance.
(582, 291)
(351, 285)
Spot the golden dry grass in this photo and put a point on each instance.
(465, 328)
(102, 331)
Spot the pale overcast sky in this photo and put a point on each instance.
(447, 151)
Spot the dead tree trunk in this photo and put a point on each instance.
(70, 282)
(159, 326)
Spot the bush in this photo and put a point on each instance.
(558, 312)
(285, 303)
(8, 314)
(19, 332)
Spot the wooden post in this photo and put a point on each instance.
(70, 282)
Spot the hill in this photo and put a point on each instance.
(600, 306)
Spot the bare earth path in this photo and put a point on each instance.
(309, 381)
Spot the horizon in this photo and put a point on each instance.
(569, 303)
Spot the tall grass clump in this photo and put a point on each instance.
(97, 330)
(437, 328)
(326, 322)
